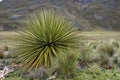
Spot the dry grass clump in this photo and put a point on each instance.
(106, 48)
(93, 44)
(85, 53)
(115, 44)
(65, 65)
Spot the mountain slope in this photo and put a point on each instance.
(86, 14)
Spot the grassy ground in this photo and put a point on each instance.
(105, 75)
(96, 35)
(81, 75)
(6, 39)
(101, 35)
(6, 35)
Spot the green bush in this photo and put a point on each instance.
(93, 44)
(67, 64)
(106, 48)
(116, 44)
(85, 54)
(46, 34)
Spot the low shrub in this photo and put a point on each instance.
(115, 44)
(106, 48)
(85, 54)
(94, 44)
(67, 64)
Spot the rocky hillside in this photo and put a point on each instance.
(86, 14)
